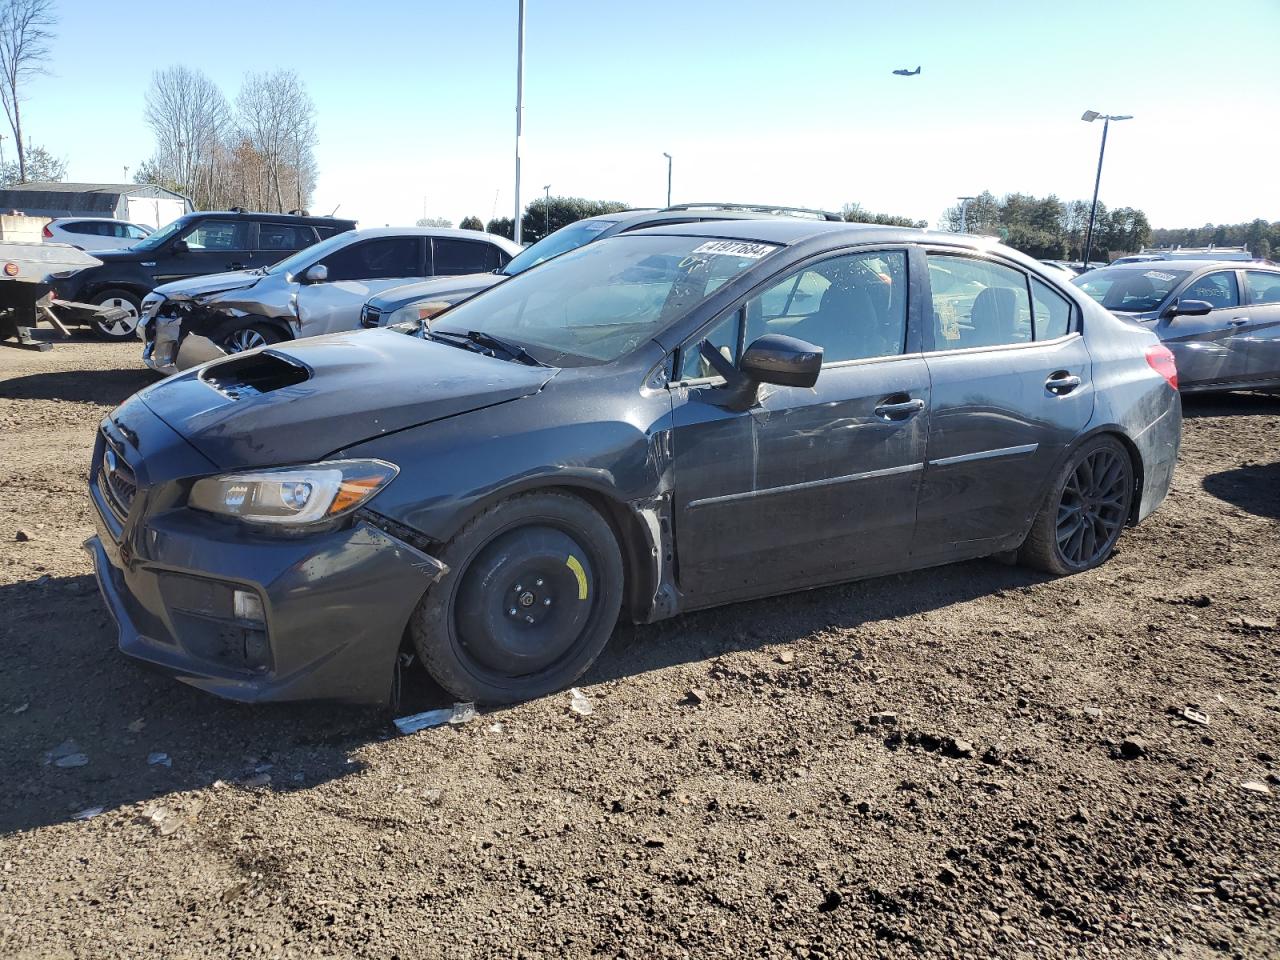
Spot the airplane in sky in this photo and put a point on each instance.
(907, 73)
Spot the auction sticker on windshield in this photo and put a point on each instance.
(737, 248)
(1156, 275)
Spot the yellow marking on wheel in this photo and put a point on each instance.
(573, 564)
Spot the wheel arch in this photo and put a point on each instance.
(1135, 459)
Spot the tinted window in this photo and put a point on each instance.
(1130, 291)
(1262, 287)
(284, 237)
(376, 259)
(85, 228)
(977, 304)
(219, 235)
(854, 307)
(454, 257)
(1219, 289)
(1052, 311)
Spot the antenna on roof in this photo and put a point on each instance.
(334, 210)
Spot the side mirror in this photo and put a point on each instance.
(785, 361)
(181, 246)
(316, 273)
(1188, 308)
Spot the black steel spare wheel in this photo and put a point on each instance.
(1079, 525)
(532, 595)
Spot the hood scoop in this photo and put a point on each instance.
(254, 374)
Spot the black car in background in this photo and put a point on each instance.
(659, 422)
(191, 246)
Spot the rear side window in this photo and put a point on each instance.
(284, 237)
(384, 258)
(1052, 316)
(87, 228)
(1219, 289)
(1262, 287)
(977, 304)
(454, 257)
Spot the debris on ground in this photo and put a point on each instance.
(24, 536)
(88, 813)
(579, 703)
(456, 715)
(1255, 786)
(159, 760)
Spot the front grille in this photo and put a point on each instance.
(370, 316)
(116, 479)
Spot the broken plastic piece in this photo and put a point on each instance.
(579, 703)
(456, 715)
(88, 813)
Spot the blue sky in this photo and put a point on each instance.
(759, 101)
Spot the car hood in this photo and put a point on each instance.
(451, 288)
(301, 402)
(194, 287)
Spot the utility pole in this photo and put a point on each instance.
(964, 209)
(668, 156)
(519, 113)
(547, 209)
(1089, 116)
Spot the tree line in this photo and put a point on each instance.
(257, 153)
(1262, 238)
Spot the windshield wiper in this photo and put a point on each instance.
(485, 343)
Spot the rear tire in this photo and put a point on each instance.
(117, 329)
(1085, 512)
(531, 597)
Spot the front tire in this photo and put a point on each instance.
(1085, 513)
(250, 338)
(121, 329)
(531, 597)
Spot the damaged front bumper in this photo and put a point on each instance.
(244, 615)
(166, 350)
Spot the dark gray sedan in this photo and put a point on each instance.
(1220, 319)
(654, 423)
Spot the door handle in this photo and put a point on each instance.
(1061, 383)
(900, 410)
(1238, 321)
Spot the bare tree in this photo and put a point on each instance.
(190, 119)
(277, 119)
(24, 47)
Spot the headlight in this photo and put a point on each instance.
(293, 496)
(417, 312)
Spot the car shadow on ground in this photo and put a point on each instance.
(1239, 404)
(62, 679)
(109, 387)
(1254, 489)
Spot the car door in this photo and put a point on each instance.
(1206, 347)
(1259, 337)
(355, 273)
(809, 486)
(1011, 389)
(211, 246)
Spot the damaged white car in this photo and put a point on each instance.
(315, 291)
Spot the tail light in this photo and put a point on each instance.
(48, 234)
(1160, 359)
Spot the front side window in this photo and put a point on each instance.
(216, 235)
(599, 302)
(1052, 317)
(456, 257)
(1125, 290)
(1219, 289)
(977, 304)
(1262, 287)
(384, 258)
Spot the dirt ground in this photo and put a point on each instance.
(971, 761)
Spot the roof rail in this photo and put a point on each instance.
(761, 208)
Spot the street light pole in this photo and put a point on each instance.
(547, 208)
(964, 208)
(668, 156)
(1089, 116)
(519, 113)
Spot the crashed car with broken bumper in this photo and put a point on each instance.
(658, 422)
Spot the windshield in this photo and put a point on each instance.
(601, 301)
(297, 262)
(1130, 291)
(553, 244)
(161, 236)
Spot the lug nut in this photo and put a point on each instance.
(519, 589)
